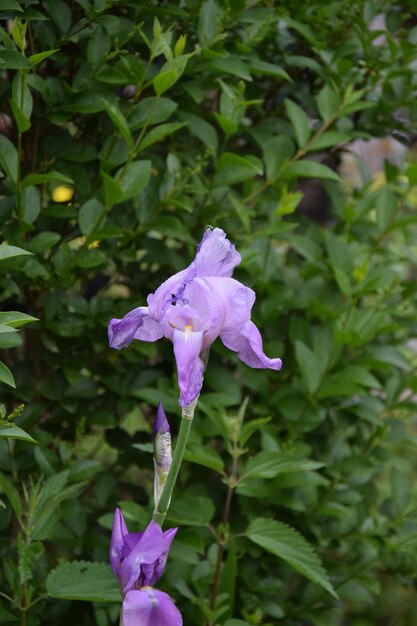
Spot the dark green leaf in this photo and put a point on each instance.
(80, 580)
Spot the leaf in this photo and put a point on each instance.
(40, 56)
(232, 65)
(6, 376)
(328, 103)
(310, 169)
(233, 168)
(134, 178)
(82, 580)
(14, 432)
(201, 455)
(328, 140)
(257, 66)
(8, 252)
(36, 179)
(160, 132)
(299, 121)
(271, 464)
(10, 5)
(208, 22)
(11, 493)
(287, 544)
(13, 60)
(22, 122)
(386, 205)
(112, 190)
(15, 319)
(151, 111)
(8, 158)
(311, 364)
(191, 510)
(90, 216)
(164, 81)
(277, 150)
(119, 121)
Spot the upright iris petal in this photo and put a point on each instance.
(192, 309)
(162, 457)
(138, 561)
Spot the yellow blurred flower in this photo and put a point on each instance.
(62, 193)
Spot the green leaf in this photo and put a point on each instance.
(233, 168)
(119, 121)
(164, 81)
(151, 111)
(328, 140)
(11, 493)
(277, 151)
(40, 56)
(299, 121)
(36, 179)
(10, 5)
(191, 510)
(209, 22)
(6, 376)
(312, 365)
(264, 68)
(287, 544)
(31, 200)
(112, 191)
(328, 103)
(160, 132)
(8, 158)
(81, 580)
(22, 122)
(232, 65)
(310, 169)
(271, 464)
(15, 319)
(8, 252)
(14, 432)
(386, 205)
(13, 60)
(134, 178)
(90, 216)
(201, 455)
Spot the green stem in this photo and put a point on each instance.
(161, 507)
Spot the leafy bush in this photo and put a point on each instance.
(127, 128)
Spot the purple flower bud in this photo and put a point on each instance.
(162, 456)
(192, 309)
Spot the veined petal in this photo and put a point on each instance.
(187, 348)
(149, 607)
(137, 324)
(216, 256)
(118, 533)
(238, 332)
(142, 565)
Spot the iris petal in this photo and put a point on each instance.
(119, 531)
(149, 607)
(152, 551)
(187, 348)
(137, 324)
(216, 256)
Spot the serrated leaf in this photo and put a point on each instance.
(299, 121)
(271, 464)
(28, 555)
(14, 432)
(201, 455)
(82, 580)
(6, 376)
(11, 493)
(191, 511)
(287, 544)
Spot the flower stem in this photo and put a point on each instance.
(161, 507)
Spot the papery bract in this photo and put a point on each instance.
(138, 561)
(162, 457)
(192, 309)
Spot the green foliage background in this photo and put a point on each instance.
(165, 117)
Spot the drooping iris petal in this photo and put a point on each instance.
(118, 533)
(216, 256)
(187, 348)
(136, 324)
(238, 332)
(149, 607)
(151, 550)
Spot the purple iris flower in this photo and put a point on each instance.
(192, 309)
(138, 561)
